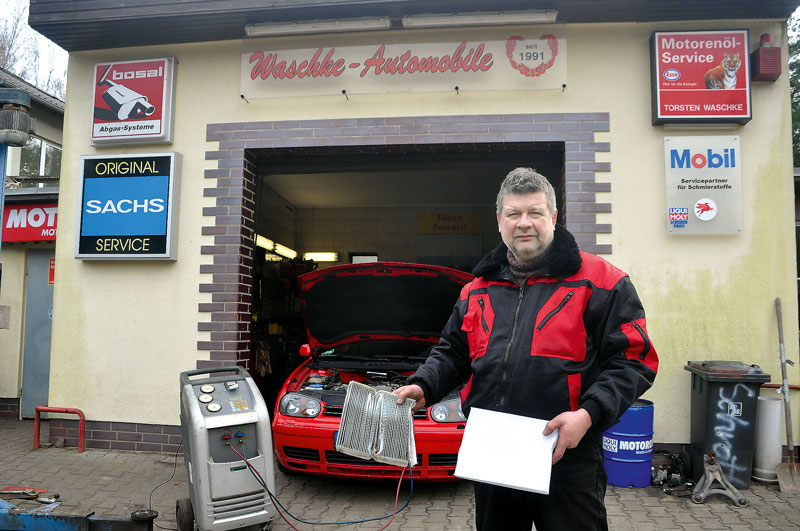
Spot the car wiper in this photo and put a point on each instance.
(344, 357)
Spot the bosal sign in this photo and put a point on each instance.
(30, 222)
(700, 76)
(133, 102)
(516, 63)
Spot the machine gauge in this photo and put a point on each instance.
(207, 388)
(205, 398)
(213, 407)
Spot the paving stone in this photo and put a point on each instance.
(116, 482)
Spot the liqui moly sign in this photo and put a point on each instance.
(704, 185)
(700, 76)
(509, 63)
(133, 102)
(30, 222)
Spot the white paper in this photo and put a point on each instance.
(506, 450)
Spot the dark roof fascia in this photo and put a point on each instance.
(98, 24)
(10, 80)
(31, 195)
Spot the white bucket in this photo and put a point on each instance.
(768, 450)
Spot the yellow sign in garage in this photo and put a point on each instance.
(449, 223)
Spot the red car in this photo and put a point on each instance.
(375, 324)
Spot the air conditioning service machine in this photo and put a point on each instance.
(227, 442)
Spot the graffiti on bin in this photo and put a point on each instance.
(729, 422)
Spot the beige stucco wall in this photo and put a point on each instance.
(124, 330)
(12, 294)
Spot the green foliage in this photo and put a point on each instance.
(794, 84)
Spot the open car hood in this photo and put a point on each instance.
(378, 300)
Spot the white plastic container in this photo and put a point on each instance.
(768, 450)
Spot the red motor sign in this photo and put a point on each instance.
(30, 223)
(701, 76)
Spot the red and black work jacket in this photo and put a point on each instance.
(573, 336)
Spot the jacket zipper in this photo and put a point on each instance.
(483, 319)
(646, 339)
(511, 342)
(555, 310)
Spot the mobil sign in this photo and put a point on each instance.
(700, 76)
(704, 184)
(34, 222)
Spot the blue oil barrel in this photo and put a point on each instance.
(628, 447)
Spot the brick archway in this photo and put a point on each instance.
(232, 184)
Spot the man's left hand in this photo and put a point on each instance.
(572, 426)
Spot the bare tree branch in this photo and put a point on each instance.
(20, 52)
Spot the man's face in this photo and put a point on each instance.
(526, 224)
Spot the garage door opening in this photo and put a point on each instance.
(425, 204)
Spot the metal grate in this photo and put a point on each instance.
(336, 411)
(339, 458)
(306, 454)
(442, 459)
(239, 505)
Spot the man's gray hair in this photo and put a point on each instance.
(526, 181)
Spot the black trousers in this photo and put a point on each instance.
(575, 503)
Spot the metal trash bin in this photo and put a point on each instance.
(724, 403)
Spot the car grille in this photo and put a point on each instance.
(306, 454)
(334, 457)
(336, 411)
(442, 459)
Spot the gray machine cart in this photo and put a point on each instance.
(220, 411)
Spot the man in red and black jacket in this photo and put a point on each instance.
(549, 332)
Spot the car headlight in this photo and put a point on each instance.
(448, 411)
(297, 405)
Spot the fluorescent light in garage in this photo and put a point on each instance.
(266, 243)
(285, 251)
(321, 257)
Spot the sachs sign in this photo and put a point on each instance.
(133, 102)
(128, 205)
(515, 63)
(700, 76)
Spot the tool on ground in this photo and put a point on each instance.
(220, 412)
(705, 487)
(21, 492)
(788, 473)
(28, 493)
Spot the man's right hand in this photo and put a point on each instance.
(411, 391)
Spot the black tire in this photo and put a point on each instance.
(184, 514)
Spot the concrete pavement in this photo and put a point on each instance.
(110, 482)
